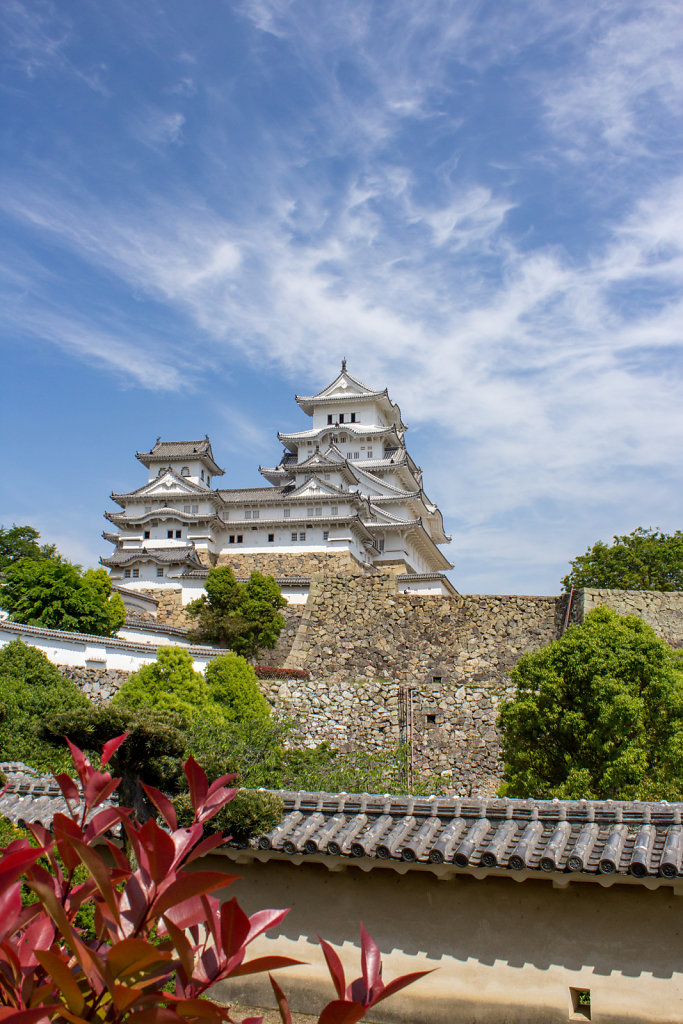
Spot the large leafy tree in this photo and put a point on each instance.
(597, 714)
(641, 560)
(241, 616)
(58, 595)
(22, 542)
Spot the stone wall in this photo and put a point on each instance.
(98, 684)
(664, 612)
(290, 563)
(170, 611)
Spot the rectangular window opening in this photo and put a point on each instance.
(302, 536)
(353, 417)
(271, 538)
(247, 513)
(231, 539)
(326, 534)
(178, 534)
(169, 534)
(146, 535)
(294, 536)
(160, 571)
(286, 513)
(240, 538)
(341, 418)
(126, 573)
(431, 719)
(581, 1003)
(436, 679)
(136, 573)
(329, 417)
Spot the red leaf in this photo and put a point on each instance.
(201, 849)
(183, 947)
(160, 850)
(64, 978)
(235, 927)
(334, 966)
(68, 787)
(262, 920)
(370, 961)
(101, 822)
(81, 762)
(188, 885)
(41, 1015)
(342, 1011)
(100, 785)
(163, 805)
(132, 955)
(398, 983)
(264, 963)
(282, 1004)
(13, 865)
(110, 748)
(197, 781)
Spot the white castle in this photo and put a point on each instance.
(345, 497)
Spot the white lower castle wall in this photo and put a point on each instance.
(79, 650)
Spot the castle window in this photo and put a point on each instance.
(231, 538)
(343, 439)
(353, 417)
(302, 536)
(146, 535)
(195, 508)
(169, 534)
(136, 573)
(327, 476)
(369, 453)
(160, 571)
(333, 510)
(356, 455)
(341, 418)
(271, 538)
(293, 535)
(186, 508)
(178, 534)
(185, 471)
(329, 418)
(240, 538)
(326, 534)
(286, 513)
(431, 719)
(380, 543)
(580, 1003)
(126, 573)
(208, 480)
(202, 474)
(247, 513)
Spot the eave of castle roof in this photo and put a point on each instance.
(165, 450)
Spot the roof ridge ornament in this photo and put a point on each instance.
(344, 365)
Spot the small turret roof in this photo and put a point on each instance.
(347, 388)
(164, 451)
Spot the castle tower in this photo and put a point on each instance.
(345, 496)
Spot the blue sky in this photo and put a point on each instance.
(205, 206)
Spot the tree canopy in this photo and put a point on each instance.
(22, 542)
(641, 560)
(241, 616)
(596, 714)
(58, 595)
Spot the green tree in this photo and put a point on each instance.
(641, 560)
(58, 595)
(168, 684)
(22, 542)
(242, 616)
(33, 691)
(596, 714)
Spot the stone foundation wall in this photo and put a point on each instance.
(98, 684)
(170, 611)
(664, 612)
(290, 563)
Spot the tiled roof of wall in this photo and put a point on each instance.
(30, 797)
(594, 837)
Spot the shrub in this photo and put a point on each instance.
(161, 939)
(233, 687)
(33, 691)
(56, 594)
(249, 813)
(169, 684)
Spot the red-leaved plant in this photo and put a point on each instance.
(155, 920)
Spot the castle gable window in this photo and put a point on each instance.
(185, 471)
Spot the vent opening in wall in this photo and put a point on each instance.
(580, 1003)
(431, 719)
(437, 679)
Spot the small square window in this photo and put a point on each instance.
(169, 534)
(178, 534)
(326, 534)
(580, 1003)
(146, 535)
(341, 418)
(232, 538)
(126, 573)
(369, 453)
(240, 538)
(431, 719)
(329, 417)
(302, 536)
(310, 511)
(437, 679)
(286, 513)
(353, 417)
(160, 571)
(271, 538)
(294, 536)
(136, 573)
